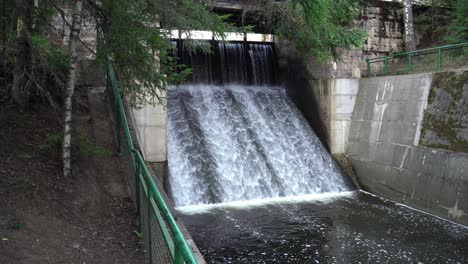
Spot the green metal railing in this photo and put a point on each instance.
(164, 241)
(410, 57)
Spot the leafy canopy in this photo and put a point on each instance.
(314, 27)
(136, 34)
(136, 38)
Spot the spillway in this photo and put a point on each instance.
(253, 183)
(236, 142)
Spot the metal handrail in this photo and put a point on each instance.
(156, 206)
(411, 54)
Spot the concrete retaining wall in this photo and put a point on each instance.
(335, 99)
(385, 153)
(383, 22)
(150, 123)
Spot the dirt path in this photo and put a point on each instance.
(44, 218)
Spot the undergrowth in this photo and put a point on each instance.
(81, 145)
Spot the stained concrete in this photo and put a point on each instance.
(382, 20)
(335, 99)
(384, 148)
(150, 122)
(445, 122)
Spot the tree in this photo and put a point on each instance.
(131, 40)
(316, 28)
(459, 27)
(68, 104)
(23, 63)
(135, 38)
(410, 43)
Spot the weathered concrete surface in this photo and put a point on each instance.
(150, 122)
(382, 20)
(445, 122)
(335, 99)
(385, 153)
(327, 104)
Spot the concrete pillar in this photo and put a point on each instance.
(336, 99)
(151, 125)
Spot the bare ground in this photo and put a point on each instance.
(44, 218)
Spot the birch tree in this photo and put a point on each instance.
(70, 89)
(410, 43)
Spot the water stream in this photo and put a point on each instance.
(253, 183)
(231, 143)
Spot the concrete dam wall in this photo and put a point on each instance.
(401, 134)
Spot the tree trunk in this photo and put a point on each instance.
(410, 43)
(432, 20)
(74, 34)
(35, 11)
(20, 89)
(4, 36)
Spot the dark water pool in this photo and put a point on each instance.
(353, 227)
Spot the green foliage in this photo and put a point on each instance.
(45, 69)
(437, 3)
(135, 37)
(8, 18)
(445, 21)
(459, 27)
(42, 15)
(315, 27)
(51, 65)
(80, 144)
(140, 49)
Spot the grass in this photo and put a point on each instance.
(81, 144)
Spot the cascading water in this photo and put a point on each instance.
(232, 60)
(261, 59)
(237, 142)
(235, 136)
(230, 63)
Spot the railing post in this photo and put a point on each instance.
(410, 61)
(439, 58)
(119, 124)
(369, 69)
(137, 190)
(179, 257)
(385, 67)
(148, 218)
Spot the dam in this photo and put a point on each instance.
(253, 183)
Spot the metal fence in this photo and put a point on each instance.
(423, 60)
(163, 239)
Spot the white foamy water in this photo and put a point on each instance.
(239, 143)
(320, 198)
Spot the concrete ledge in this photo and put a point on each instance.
(383, 148)
(436, 182)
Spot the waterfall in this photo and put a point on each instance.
(231, 63)
(234, 136)
(261, 59)
(236, 142)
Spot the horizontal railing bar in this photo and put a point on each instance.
(158, 205)
(415, 52)
(164, 230)
(179, 239)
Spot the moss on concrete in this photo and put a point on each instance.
(446, 123)
(445, 130)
